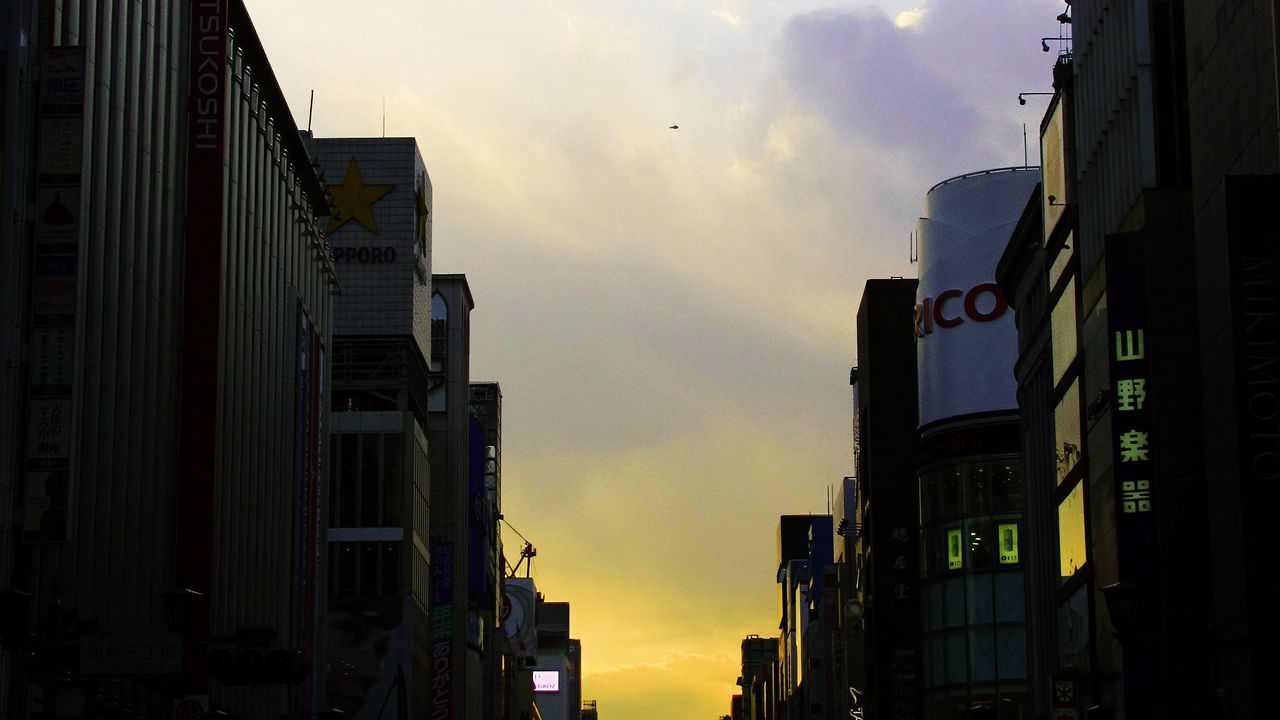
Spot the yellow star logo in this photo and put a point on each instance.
(353, 200)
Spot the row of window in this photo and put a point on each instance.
(364, 568)
(978, 653)
(967, 489)
(982, 543)
(367, 480)
(981, 598)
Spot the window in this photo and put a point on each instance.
(1006, 487)
(1066, 431)
(346, 505)
(1073, 630)
(950, 495)
(981, 544)
(978, 481)
(1062, 327)
(369, 481)
(1071, 533)
(364, 569)
(1062, 261)
(392, 480)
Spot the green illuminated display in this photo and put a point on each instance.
(955, 550)
(1008, 535)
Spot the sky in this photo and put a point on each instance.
(670, 313)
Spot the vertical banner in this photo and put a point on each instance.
(201, 305)
(1254, 257)
(1136, 490)
(47, 490)
(440, 618)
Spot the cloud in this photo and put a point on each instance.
(907, 18)
(728, 16)
(863, 74)
(673, 661)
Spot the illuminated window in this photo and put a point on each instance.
(1062, 260)
(1053, 168)
(1062, 328)
(1071, 535)
(980, 543)
(1066, 431)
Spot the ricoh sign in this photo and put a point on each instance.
(952, 308)
(966, 341)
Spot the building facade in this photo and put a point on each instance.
(1151, 297)
(972, 598)
(167, 324)
(885, 524)
(377, 649)
(457, 678)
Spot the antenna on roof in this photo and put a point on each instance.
(310, 107)
(1024, 145)
(384, 117)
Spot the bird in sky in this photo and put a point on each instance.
(674, 127)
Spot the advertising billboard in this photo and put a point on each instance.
(546, 681)
(966, 341)
(519, 600)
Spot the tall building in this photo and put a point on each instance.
(972, 600)
(884, 526)
(804, 543)
(759, 656)
(485, 541)
(167, 320)
(557, 676)
(457, 631)
(377, 639)
(1154, 287)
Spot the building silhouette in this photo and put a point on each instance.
(1144, 280)
(165, 434)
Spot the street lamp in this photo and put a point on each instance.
(1044, 42)
(1122, 607)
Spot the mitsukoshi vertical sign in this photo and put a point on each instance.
(206, 130)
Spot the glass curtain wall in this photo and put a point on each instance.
(974, 600)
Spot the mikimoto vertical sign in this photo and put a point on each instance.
(206, 147)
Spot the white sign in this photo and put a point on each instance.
(966, 341)
(546, 681)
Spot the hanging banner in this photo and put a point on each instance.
(47, 491)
